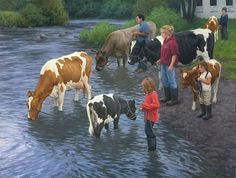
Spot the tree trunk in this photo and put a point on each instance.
(183, 8)
(191, 7)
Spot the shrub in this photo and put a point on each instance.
(9, 18)
(32, 16)
(116, 9)
(163, 16)
(53, 11)
(98, 34)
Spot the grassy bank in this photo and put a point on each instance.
(225, 52)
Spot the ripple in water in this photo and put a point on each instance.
(59, 145)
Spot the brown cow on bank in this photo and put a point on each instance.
(189, 78)
(57, 76)
(117, 44)
(213, 25)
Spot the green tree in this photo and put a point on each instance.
(32, 16)
(53, 11)
(146, 6)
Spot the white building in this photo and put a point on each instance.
(207, 8)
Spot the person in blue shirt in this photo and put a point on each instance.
(141, 39)
(223, 24)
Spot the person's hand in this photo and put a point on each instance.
(134, 33)
(199, 79)
(170, 68)
(157, 62)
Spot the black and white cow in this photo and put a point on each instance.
(106, 108)
(192, 43)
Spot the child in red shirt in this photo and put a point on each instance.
(150, 107)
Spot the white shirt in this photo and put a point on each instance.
(205, 76)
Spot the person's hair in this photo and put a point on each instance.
(204, 64)
(168, 28)
(224, 9)
(148, 85)
(141, 16)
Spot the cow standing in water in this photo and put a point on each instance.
(103, 109)
(57, 76)
(192, 43)
(213, 25)
(189, 78)
(117, 44)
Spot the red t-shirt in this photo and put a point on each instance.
(151, 105)
(169, 49)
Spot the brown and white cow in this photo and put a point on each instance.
(189, 78)
(117, 45)
(57, 76)
(213, 25)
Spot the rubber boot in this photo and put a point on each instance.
(203, 107)
(174, 97)
(167, 95)
(208, 112)
(151, 143)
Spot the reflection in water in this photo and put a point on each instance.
(58, 145)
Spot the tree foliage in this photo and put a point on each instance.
(34, 12)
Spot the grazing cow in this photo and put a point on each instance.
(213, 25)
(189, 78)
(193, 43)
(117, 44)
(103, 109)
(57, 76)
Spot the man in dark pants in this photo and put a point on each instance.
(141, 39)
(223, 24)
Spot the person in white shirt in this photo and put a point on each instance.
(205, 93)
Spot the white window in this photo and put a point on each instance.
(199, 2)
(213, 3)
(229, 2)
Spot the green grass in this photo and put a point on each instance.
(98, 34)
(225, 52)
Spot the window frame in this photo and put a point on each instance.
(215, 3)
(232, 2)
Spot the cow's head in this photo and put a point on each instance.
(101, 59)
(188, 77)
(34, 106)
(137, 53)
(131, 109)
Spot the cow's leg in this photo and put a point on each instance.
(194, 95)
(119, 61)
(76, 95)
(106, 126)
(62, 90)
(87, 86)
(125, 58)
(55, 101)
(215, 89)
(116, 121)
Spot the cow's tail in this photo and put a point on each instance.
(90, 113)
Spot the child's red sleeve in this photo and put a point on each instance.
(155, 104)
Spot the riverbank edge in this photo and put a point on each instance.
(216, 138)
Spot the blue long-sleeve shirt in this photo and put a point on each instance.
(224, 21)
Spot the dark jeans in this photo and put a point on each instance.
(148, 129)
(224, 33)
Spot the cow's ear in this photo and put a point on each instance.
(103, 53)
(29, 93)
